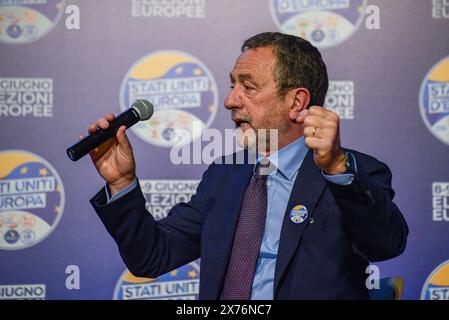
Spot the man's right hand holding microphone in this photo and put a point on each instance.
(114, 159)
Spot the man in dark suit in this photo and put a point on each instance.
(305, 228)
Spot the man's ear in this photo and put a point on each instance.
(299, 100)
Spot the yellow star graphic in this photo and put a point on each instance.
(59, 5)
(43, 172)
(197, 72)
(360, 9)
(174, 272)
(24, 170)
(211, 108)
(58, 188)
(57, 209)
(192, 274)
(179, 70)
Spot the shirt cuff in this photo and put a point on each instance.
(343, 179)
(119, 194)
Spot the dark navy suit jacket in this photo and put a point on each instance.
(325, 257)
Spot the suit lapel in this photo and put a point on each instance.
(307, 189)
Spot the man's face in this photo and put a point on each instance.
(253, 100)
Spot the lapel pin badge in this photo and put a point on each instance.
(298, 214)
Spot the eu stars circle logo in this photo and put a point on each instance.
(31, 199)
(182, 90)
(436, 286)
(179, 284)
(26, 20)
(434, 100)
(323, 23)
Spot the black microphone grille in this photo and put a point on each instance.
(144, 108)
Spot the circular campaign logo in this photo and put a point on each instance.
(28, 20)
(180, 284)
(298, 214)
(182, 90)
(31, 199)
(436, 286)
(323, 23)
(434, 100)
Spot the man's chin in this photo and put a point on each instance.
(246, 138)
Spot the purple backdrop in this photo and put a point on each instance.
(55, 81)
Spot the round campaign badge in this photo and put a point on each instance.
(323, 23)
(28, 20)
(298, 214)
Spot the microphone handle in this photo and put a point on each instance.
(84, 146)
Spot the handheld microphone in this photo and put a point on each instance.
(140, 110)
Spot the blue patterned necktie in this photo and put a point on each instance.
(248, 238)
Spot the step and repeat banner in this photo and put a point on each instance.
(64, 64)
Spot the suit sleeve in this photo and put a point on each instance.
(377, 226)
(151, 248)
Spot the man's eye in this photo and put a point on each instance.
(231, 86)
(247, 87)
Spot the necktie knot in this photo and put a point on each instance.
(263, 169)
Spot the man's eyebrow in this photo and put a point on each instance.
(245, 76)
(241, 77)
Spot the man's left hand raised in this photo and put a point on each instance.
(322, 134)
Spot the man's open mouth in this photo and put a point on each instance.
(242, 124)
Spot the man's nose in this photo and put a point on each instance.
(234, 99)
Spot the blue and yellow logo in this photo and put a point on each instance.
(434, 100)
(182, 90)
(179, 284)
(31, 199)
(436, 286)
(323, 23)
(28, 20)
(298, 214)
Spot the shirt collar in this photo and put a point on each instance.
(288, 159)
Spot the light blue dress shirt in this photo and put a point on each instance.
(280, 182)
